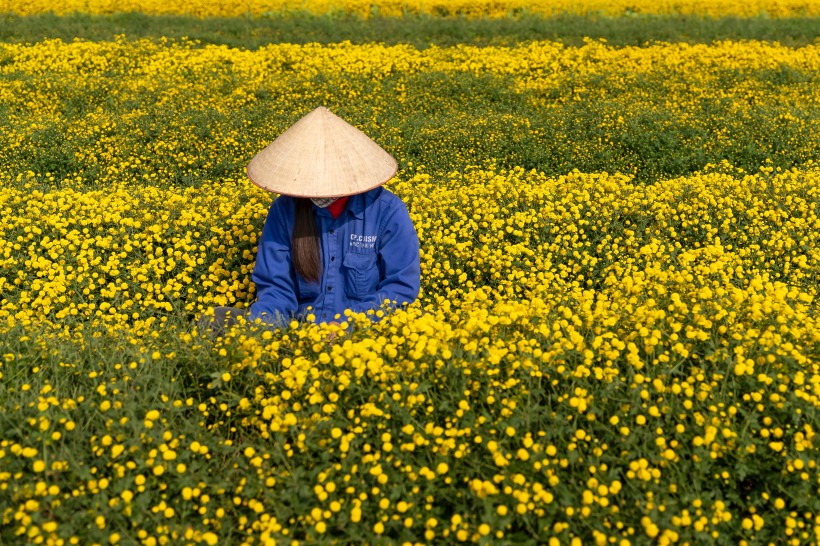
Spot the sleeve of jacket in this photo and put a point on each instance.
(399, 261)
(273, 272)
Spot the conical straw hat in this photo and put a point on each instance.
(321, 155)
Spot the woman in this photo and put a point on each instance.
(334, 239)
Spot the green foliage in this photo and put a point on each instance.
(418, 30)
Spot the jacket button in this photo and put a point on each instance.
(333, 258)
(330, 289)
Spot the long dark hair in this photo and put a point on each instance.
(305, 242)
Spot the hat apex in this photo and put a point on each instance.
(321, 155)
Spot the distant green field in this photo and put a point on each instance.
(419, 30)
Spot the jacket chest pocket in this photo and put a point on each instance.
(361, 275)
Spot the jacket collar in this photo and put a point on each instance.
(357, 203)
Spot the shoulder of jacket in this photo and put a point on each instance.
(283, 202)
(389, 198)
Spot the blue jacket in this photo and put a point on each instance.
(370, 253)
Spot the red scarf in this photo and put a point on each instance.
(337, 207)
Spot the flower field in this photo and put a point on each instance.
(397, 8)
(618, 335)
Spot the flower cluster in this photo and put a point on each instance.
(398, 8)
(187, 114)
(591, 359)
